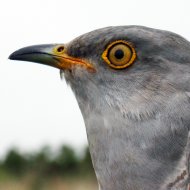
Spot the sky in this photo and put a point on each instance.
(37, 108)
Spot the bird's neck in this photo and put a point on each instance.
(123, 145)
(124, 154)
(124, 132)
(118, 152)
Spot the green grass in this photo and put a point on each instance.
(39, 171)
(32, 182)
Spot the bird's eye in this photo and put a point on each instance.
(60, 49)
(119, 54)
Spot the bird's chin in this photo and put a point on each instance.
(66, 75)
(62, 74)
(75, 74)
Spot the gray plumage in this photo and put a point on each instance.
(137, 119)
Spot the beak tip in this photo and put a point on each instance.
(37, 54)
(13, 56)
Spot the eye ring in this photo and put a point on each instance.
(119, 54)
(59, 49)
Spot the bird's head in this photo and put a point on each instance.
(114, 65)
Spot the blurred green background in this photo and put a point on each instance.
(46, 169)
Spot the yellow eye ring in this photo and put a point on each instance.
(59, 49)
(119, 54)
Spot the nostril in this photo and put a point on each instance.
(60, 49)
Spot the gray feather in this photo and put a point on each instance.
(137, 119)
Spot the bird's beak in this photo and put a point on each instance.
(52, 55)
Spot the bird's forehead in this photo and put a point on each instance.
(147, 42)
(92, 41)
(97, 40)
(114, 33)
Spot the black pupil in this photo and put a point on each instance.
(60, 49)
(119, 54)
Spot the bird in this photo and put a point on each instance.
(132, 84)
